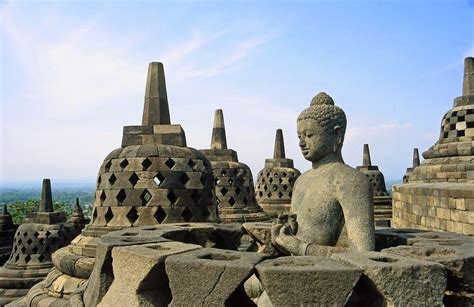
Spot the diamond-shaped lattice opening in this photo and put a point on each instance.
(29, 241)
(237, 191)
(133, 179)
(285, 187)
(231, 201)
(99, 180)
(132, 215)
(146, 164)
(94, 214)
(17, 258)
(159, 178)
(41, 258)
(170, 163)
(34, 250)
(289, 194)
(108, 165)
(159, 215)
(205, 212)
(290, 180)
(280, 194)
(145, 197)
(260, 193)
(269, 194)
(265, 187)
(47, 234)
(275, 188)
(280, 180)
(41, 241)
(102, 197)
(27, 258)
(112, 179)
(25, 234)
(224, 191)
(270, 180)
(223, 172)
(268, 174)
(284, 174)
(244, 172)
(196, 196)
(172, 197)
(245, 201)
(184, 178)
(230, 181)
(191, 163)
(187, 214)
(108, 215)
(124, 163)
(23, 249)
(121, 196)
(36, 234)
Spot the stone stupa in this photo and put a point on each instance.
(77, 217)
(153, 178)
(275, 181)
(439, 193)
(235, 193)
(415, 164)
(41, 235)
(7, 232)
(382, 200)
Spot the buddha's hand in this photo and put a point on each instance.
(284, 240)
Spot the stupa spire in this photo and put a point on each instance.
(156, 109)
(279, 151)
(468, 83)
(416, 158)
(366, 156)
(46, 203)
(218, 140)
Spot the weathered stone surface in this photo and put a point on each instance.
(139, 274)
(261, 233)
(392, 280)
(210, 277)
(72, 264)
(307, 281)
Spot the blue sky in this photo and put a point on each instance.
(73, 74)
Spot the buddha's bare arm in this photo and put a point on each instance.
(357, 204)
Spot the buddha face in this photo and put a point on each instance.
(315, 142)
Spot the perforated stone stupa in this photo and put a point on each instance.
(153, 178)
(439, 193)
(42, 234)
(415, 164)
(275, 181)
(235, 194)
(7, 232)
(382, 200)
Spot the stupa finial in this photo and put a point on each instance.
(468, 83)
(46, 203)
(279, 151)
(416, 158)
(218, 140)
(366, 156)
(156, 110)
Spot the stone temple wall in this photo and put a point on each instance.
(434, 207)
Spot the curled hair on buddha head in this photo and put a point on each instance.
(323, 111)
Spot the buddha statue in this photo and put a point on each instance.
(332, 206)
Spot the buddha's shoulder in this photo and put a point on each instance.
(348, 175)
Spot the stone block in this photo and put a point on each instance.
(139, 274)
(210, 277)
(392, 280)
(307, 281)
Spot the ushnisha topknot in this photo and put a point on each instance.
(323, 110)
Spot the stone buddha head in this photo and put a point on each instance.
(321, 129)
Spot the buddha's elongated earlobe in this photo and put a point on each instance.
(337, 131)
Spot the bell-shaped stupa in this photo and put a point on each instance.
(275, 181)
(77, 217)
(41, 235)
(415, 164)
(7, 232)
(235, 194)
(153, 178)
(382, 200)
(438, 194)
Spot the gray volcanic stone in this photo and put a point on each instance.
(392, 280)
(307, 281)
(210, 277)
(139, 274)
